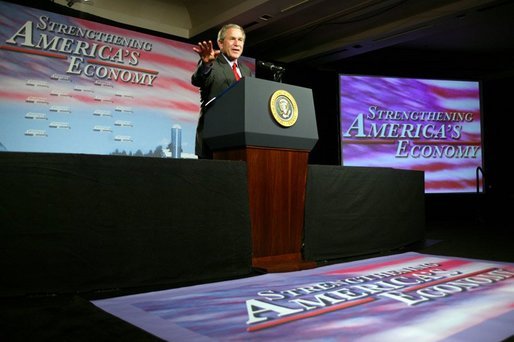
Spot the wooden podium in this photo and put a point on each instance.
(239, 125)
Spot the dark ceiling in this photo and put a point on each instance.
(445, 38)
(470, 39)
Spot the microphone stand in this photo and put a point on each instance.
(278, 74)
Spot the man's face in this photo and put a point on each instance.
(232, 45)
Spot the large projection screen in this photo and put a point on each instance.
(414, 124)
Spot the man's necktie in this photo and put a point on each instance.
(234, 69)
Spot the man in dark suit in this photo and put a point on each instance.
(217, 70)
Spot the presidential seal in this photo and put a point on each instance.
(284, 108)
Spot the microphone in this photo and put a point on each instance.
(270, 66)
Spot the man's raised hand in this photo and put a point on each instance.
(206, 51)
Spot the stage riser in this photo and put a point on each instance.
(78, 223)
(81, 222)
(352, 211)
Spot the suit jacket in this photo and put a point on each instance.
(211, 84)
(219, 78)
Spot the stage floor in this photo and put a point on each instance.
(73, 317)
(408, 296)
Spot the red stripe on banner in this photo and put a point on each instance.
(451, 93)
(452, 263)
(446, 265)
(374, 266)
(445, 280)
(155, 57)
(185, 106)
(447, 184)
(32, 52)
(309, 314)
(13, 96)
(85, 98)
(170, 83)
(118, 66)
(437, 166)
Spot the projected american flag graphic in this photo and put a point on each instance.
(75, 86)
(402, 297)
(413, 124)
